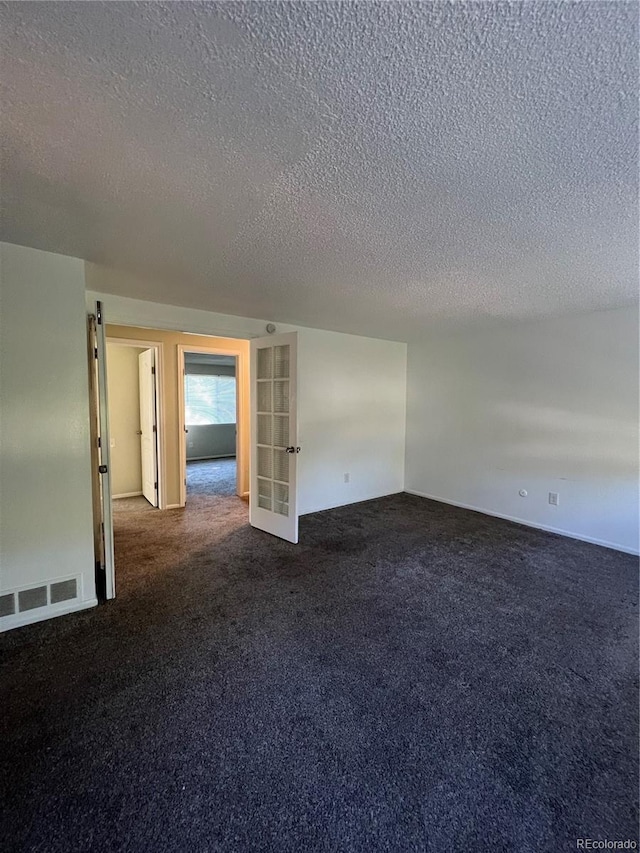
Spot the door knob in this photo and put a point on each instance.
(292, 449)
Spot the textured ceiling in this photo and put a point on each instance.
(378, 168)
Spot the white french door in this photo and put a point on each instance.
(148, 428)
(273, 505)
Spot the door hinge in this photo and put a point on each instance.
(155, 485)
(99, 313)
(95, 352)
(99, 442)
(153, 371)
(155, 428)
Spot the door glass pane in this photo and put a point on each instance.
(281, 395)
(264, 494)
(264, 429)
(280, 465)
(281, 499)
(265, 363)
(280, 430)
(281, 362)
(265, 467)
(264, 397)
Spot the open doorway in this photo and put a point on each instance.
(211, 422)
(120, 534)
(133, 393)
(210, 419)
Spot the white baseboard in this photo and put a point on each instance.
(174, 506)
(39, 614)
(593, 541)
(125, 495)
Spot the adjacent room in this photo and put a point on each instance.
(319, 426)
(210, 406)
(134, 456)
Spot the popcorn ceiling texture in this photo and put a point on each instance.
(377, 168)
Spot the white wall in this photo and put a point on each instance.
(547, 406)
(45, 475)
(123, 387)
(351, 398)
(351, 418)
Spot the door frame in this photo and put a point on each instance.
(242, 379)
(100, 458)
(161, 450)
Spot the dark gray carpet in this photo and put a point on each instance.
(211, 477)
(411, 677)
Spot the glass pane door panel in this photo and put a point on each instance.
(281, 362)
(265, 363)
(281, 465)
(265, 466)
(281, 499)
(264, 494)
(280, 430)
(281, 395)
(265, 397)
(265, 433)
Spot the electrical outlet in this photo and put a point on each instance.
(347, 477)
(554, 498)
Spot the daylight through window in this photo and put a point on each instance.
(209, 399)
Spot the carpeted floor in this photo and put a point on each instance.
(411, 677)
(204, 477)
(138, 503)
(211, 477)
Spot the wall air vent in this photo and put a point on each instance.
(7, 604)
(63, 591)
(28, 599)
(51, 595)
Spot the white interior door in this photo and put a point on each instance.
(148, 427)
(273, 504)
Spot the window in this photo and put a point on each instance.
(209, 399)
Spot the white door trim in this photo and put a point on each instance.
(160, 439)
(242, 379)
